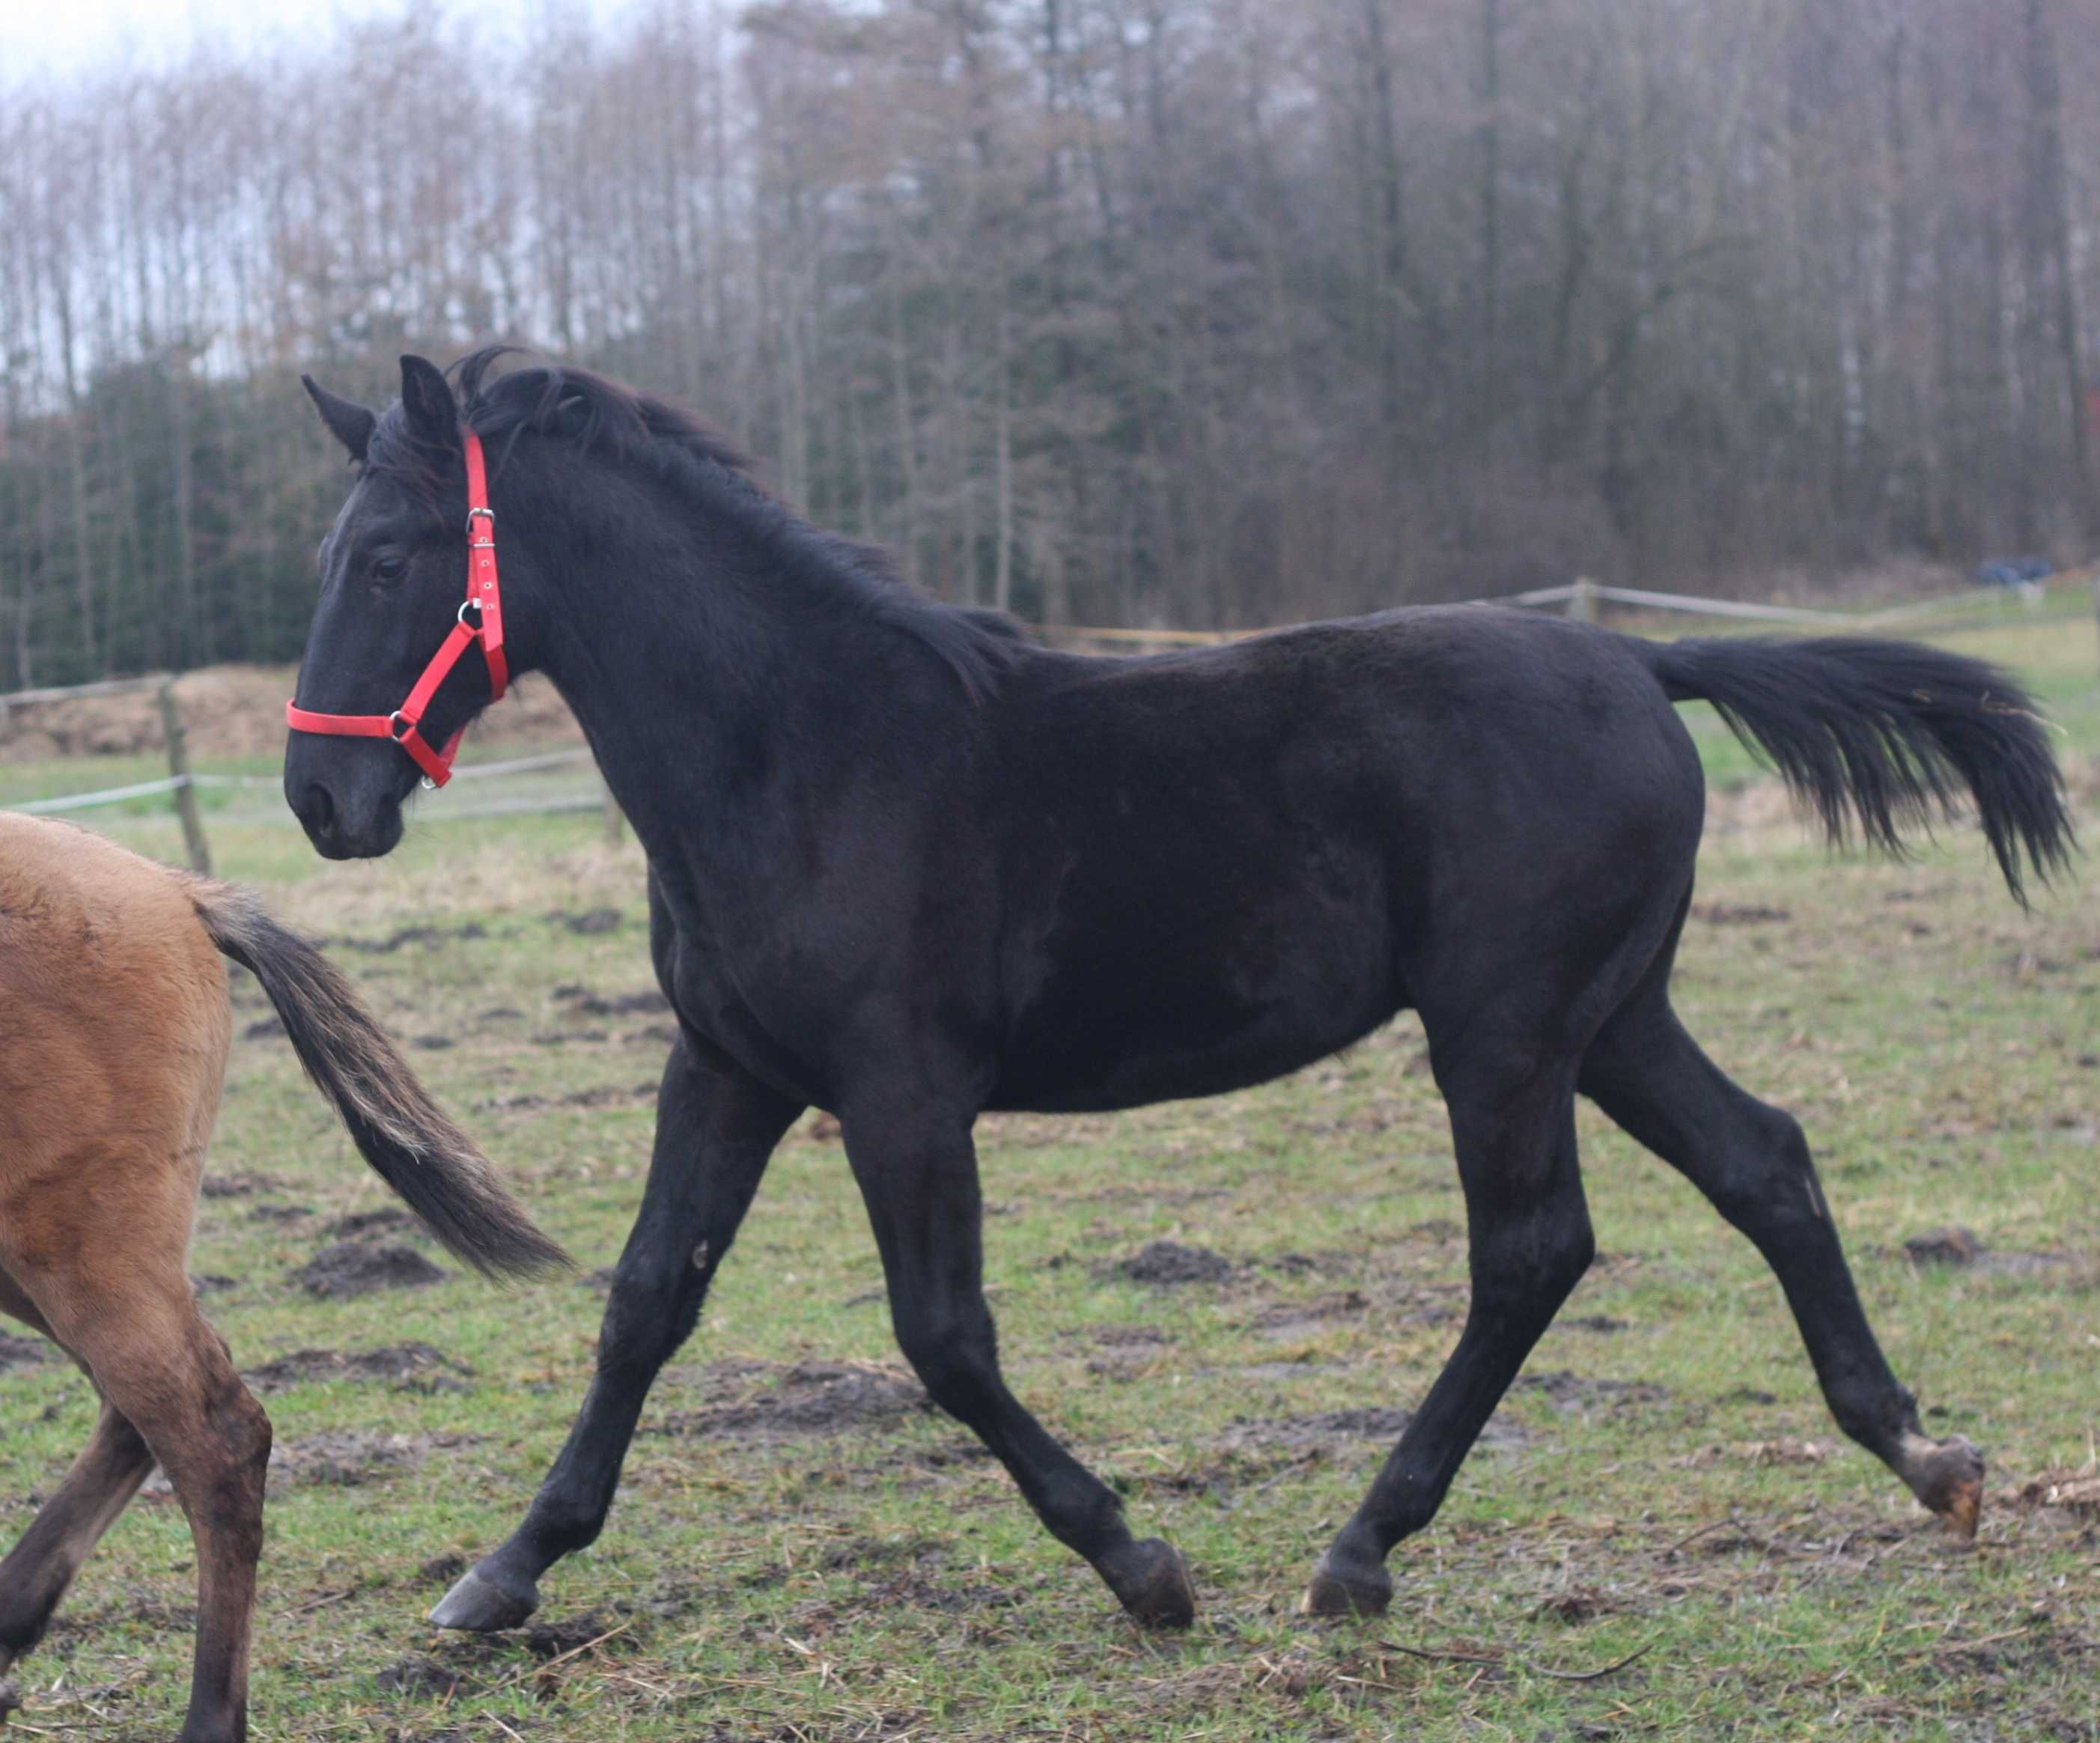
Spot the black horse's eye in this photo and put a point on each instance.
(389, 567)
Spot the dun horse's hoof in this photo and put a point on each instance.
(1151, 1580)
(478, 1604)
(1339, 1587)
(1947, 1477)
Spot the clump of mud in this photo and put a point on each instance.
(1951, 1245)
(22, 1352)
(810, 1398)
(1576, 1394)
(1959, 1249)
(1168, 1265)
(1375, 1423)
(408, 1367)
(346, 1269)
(351, 1458)
(240, 1183)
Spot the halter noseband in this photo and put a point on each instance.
(480, 619)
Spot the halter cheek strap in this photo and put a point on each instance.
(480, 619)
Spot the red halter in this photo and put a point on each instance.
(483, 605)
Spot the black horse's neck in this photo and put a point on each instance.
(717, 651)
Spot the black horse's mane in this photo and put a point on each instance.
(593, 413)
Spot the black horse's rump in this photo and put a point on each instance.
(905, 866)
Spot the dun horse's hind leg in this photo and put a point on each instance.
(1514, 1133)
(1751, 1160)
(35, 1575)
(917, 1170)
(157, 1362)
(716, 1128)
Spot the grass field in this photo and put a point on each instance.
(801, 1551)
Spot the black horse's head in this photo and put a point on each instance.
(393, 572)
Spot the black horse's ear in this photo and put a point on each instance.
(427, 398)
(348, 422)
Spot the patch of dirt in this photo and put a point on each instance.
(2077, 1492)
(211, 1284)
(1743, 914)
(589, 923)
(22, 1352)
(555, 1039)
(605, 1096)
(1951, 1245)
(441, 1570)
(1603, 1324)
(425, 1679)
(1962, 1250)
(387, 1218)
(1573, 1393)
(588, 1003)
(348, 1269)
(408, 1367)
(1168, 1265)
(351, 1458)
(810, 1398)
(280, 1213)
(264, 1030)
(240, 1183)
(1324, 1428)
(429, 937)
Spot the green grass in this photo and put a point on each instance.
(1941, 1049)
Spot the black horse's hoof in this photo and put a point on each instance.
(1151, 1581)
(1342, 1587)
(481, 1604)
(11, 1698)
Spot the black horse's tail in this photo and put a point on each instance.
(1885, 734)
(411, 1145)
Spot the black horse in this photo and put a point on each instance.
(904, 866)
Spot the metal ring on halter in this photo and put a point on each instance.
(474, 606)
(400, 725)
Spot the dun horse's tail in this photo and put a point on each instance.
(1886, 733)
(413, 1147)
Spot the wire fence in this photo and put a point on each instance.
(1581, 599)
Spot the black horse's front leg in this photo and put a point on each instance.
(917, 1169)
(716, 1128)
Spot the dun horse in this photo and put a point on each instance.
(114, 1026)
(904, 866)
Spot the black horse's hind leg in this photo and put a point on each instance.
(716, 1128)
(1752, 1162)
(1530, 1240)
(918, 1172)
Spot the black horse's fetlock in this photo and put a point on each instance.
(486, 1601)
(1151, 1581)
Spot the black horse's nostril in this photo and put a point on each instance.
(317, 811)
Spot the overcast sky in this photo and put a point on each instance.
(44, 37)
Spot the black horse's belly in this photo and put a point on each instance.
(1154, 1014)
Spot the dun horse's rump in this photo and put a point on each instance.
(114, 1029)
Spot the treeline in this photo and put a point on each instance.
(1193, 312)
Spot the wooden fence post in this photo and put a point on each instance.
(1582, 602)
(613, 819)
(178, 766)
